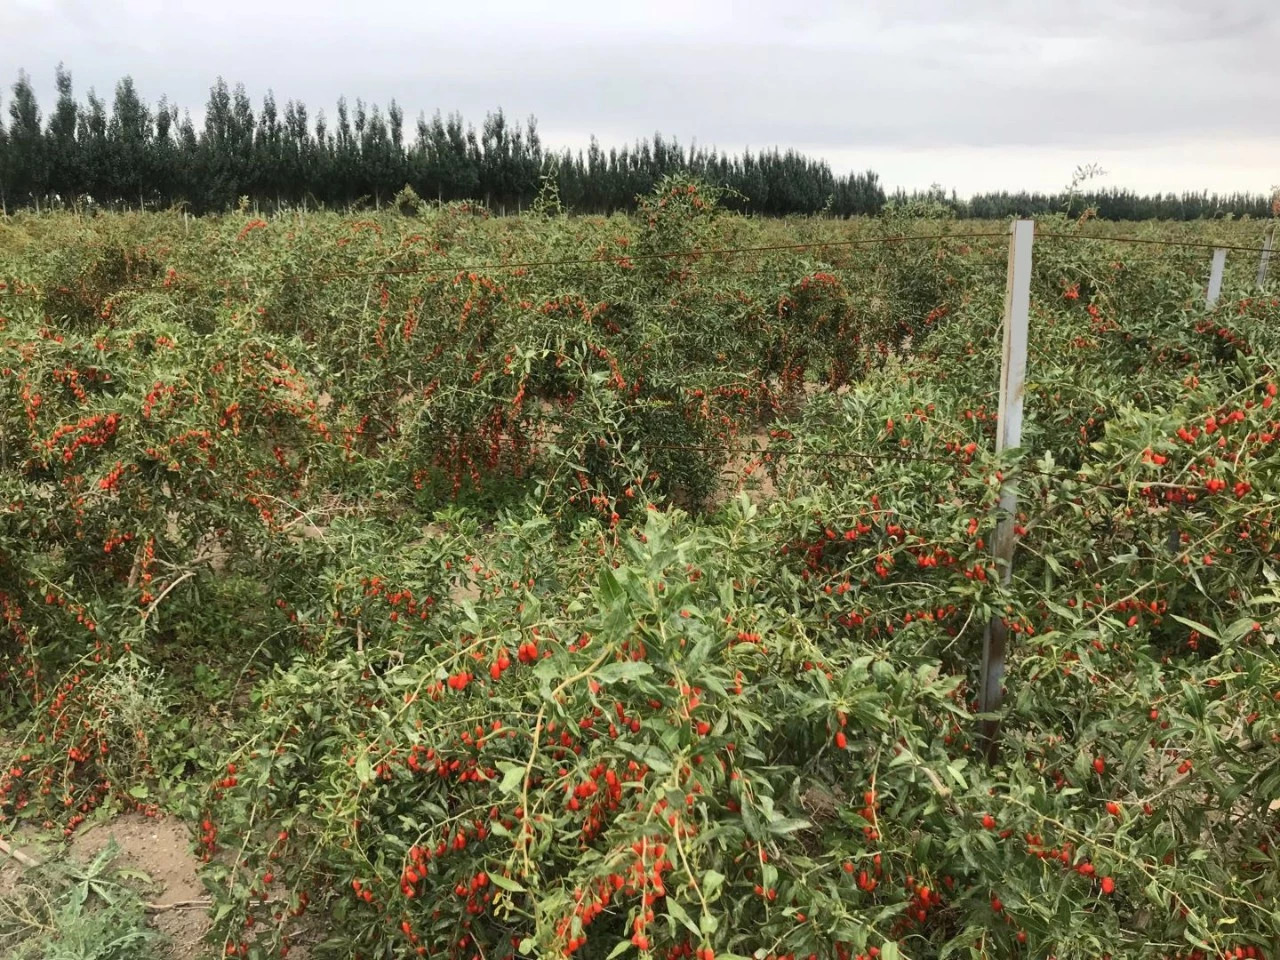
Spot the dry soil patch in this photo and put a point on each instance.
(160, 847)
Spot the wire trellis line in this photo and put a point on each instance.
(844, 453)
(599, 260)
(628, 259)
(697, 252)
(1194, 244)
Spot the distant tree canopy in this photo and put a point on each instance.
(140, 155)
(134, 154)
(1109, 204)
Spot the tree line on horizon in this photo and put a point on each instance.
(1111, 203)
(136, 155)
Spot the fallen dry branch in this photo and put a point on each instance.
(25, 859)
(203, 903)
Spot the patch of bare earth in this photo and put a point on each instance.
(15, 855)
(159, 847)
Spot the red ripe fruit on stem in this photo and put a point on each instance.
(988, 821)
(841, 740)
(1099, 764)
(1108, 886)
(1113, 808)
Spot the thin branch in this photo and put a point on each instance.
(23, 858)
(164, 593)
(204, 903)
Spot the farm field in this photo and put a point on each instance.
(484, 587)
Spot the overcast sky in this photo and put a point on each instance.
(975, 95)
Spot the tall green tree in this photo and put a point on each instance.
(267, 169)
(163, 157)
(5, 163)
(240, 140)
(379, 162)
(217, 166)
(29, 175)
(297, 153)
(399, 175)
(187, 158)
(346, 158)
(91, 137)
(66, 173)
(323, 162)
(129, 142)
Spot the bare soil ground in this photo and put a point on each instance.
(160, 847)
(24, 843)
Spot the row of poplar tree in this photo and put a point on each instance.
(133, 154)
(1109, 204)
(138, 155)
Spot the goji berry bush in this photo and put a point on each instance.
(549, 586)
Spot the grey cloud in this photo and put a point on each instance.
(905, 74)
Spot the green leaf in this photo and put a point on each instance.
(1239, 629)
(698, 655)
(505, 883)
(623, 670)
(139, 791)
(657, 758)
(785, 825)
(512, 777)
(679, 914)
(611, 591)
(364, 770)
(551, 668)
(712, 882)
(1196, 625)
(751, 821)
